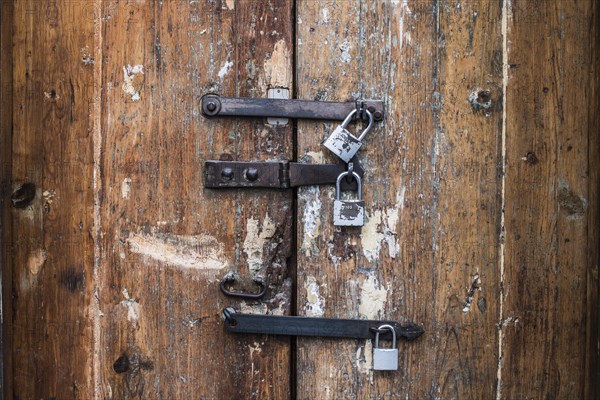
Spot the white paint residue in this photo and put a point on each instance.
(230, 4)
(133, 307)
(315, 304)
(36, 260)
(364, 358)
(372, 299)
(381, 228)
(404, 12)
(202, 253)
(256, 238)
(133, 78)
(225, 69)
(125, 188)
(317, 157)
(277, 69)
(325, 15)
(312, 218)
(345, 49)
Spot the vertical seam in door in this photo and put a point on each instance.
(97, 180)
(501, 238)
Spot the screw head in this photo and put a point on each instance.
(211, 106)
(227, 173)
(252, 174)
(378, 115)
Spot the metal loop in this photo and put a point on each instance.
(244, 295)
(338, 184)
(385, 327)
(368, 128)
(348, 118)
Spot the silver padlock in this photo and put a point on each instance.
(348, 212)
(344, 144)
(385, 359)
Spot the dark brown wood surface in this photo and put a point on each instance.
(481, 189)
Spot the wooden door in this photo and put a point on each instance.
(481, 193)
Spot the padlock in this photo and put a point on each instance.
(348, 212)
(344, 144)
(385, 359)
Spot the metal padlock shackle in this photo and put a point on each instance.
(384, 327)
(338, 185)
(367, 129)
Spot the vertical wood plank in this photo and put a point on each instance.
(427, 250)
(6, 110)
(52, 190)
(167, 242)
(550, 124)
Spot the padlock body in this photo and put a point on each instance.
(342, 143)
(348, 212)
(385, 359)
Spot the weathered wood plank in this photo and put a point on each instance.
(547, 200)
(166, 241)
(52, 183)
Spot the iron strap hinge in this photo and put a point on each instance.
(322, 327)
(274, 174)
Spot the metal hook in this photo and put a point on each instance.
(230, 278)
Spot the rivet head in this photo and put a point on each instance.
(211, 106)
(252, 174)
(227, 173)
(378, 115)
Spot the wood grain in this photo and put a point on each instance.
(430, 164)
(167, 242)
(547, 199)
(52, 257)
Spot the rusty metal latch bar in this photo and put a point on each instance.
(274, 174)
(217, 106)
(322, 327)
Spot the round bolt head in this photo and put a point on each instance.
(227, 173)
(211, 106)
(252, 174)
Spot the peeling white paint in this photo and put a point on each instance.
(381, 228)
(230, 4)
(345, 49)
(404, 12)
(225, 69)
(277, 69)
(133, 78)
(317, 157)
(315, 304)
(132, 305)
(202, 253)
(312, 218)
(36, 261)
(372, 299)
(125, 188)
(364, 358)
(256, 238)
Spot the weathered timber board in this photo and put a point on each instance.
(165, 241)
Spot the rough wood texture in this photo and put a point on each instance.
(547, 270)
(52, 188)
(165, 241)
(481, 188)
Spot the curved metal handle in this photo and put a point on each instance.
(244, 295)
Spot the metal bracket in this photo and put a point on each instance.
(216, 106)
(322, 327)
(274, 174)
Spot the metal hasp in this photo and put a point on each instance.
(217, 106)
(274, 174)
(322, 327)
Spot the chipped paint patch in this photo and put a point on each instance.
(315, 304)
(317, 157)
(372, 299)
(133, 79)
(36, 261)
(312, 219)
(381, 228)
(404, 12)
(345, 47)
(201, 253)
(230, 4)
(256, 238)
(125, 188)
(225, 69)
(364, 358)
(475, 287)
(277, 69)
(133, 307)
(86, 56)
